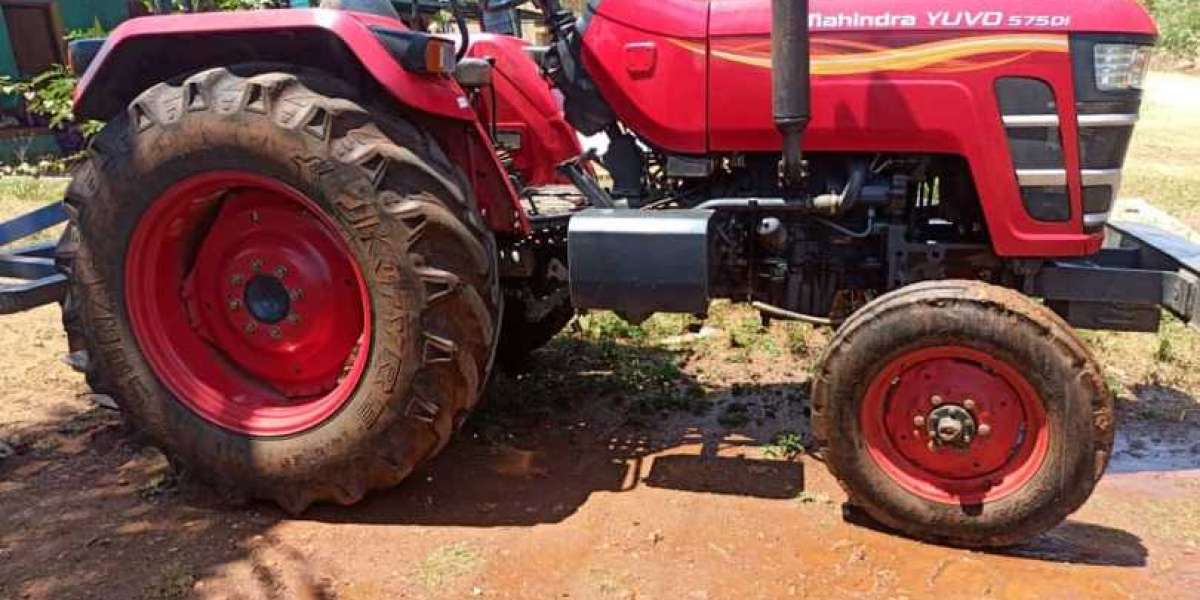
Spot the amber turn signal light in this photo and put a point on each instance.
(418, 52)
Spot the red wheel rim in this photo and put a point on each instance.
(917, 386)
(247, 303)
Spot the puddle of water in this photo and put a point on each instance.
(1143, 451)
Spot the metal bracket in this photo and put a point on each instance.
(39, 280)
(1141, 269)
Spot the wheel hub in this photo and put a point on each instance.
(953, 424)
(267, 299)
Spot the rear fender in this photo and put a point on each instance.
(143, 52)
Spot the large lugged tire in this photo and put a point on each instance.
(962, 413)
(294, 297)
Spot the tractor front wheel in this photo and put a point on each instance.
(293, 296)
(963, 413)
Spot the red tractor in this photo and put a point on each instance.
(304, 236)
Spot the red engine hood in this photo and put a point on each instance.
(753, 17)
(691, 18)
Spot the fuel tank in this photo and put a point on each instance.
(694, 77)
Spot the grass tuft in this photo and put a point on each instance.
(446, 564)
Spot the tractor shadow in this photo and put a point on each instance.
(1073, 542)
(593, 417)
(574, 426)
(88, 509)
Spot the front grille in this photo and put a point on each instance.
(1047, 203)
(1104, 147)
(1104, 140)
(1035, 140)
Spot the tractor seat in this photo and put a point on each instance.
(382, 8)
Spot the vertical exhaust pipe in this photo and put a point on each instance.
(790, 83)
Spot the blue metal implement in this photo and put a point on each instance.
(39, 281)
(31, 223)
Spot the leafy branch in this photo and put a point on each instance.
(50, 95)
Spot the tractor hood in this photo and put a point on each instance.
(689, 18)
(753, 17)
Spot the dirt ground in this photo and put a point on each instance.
(665, 461)
(625, 465)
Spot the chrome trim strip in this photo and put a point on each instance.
(1031, 121)
(1058, 177)
(1109, 177)
(1095, 220)
(1042, 177)
(1107, 120)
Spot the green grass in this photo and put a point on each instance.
(787, 445)
(1164, 158)
(446, 564)
(1179, 21)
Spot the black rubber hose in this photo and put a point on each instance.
(461, 21)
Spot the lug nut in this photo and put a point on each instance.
(293, 318)
(250, 328)
(937, 400)
(276, 333)
(969, 404)
(919, 421)
(985, 430)
(296, 294)
(234, 304)
(235, 280)
(256, 264)
(280, 271)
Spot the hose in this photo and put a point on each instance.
(854, 234)
(461, 22)
(787, 315)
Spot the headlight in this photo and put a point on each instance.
(1121, 67)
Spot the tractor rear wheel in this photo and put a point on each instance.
(962, 413)
(293, 296)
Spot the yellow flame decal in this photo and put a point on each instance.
(945, 56)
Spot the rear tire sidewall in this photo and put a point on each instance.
(170, 155)
(1070, 395)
